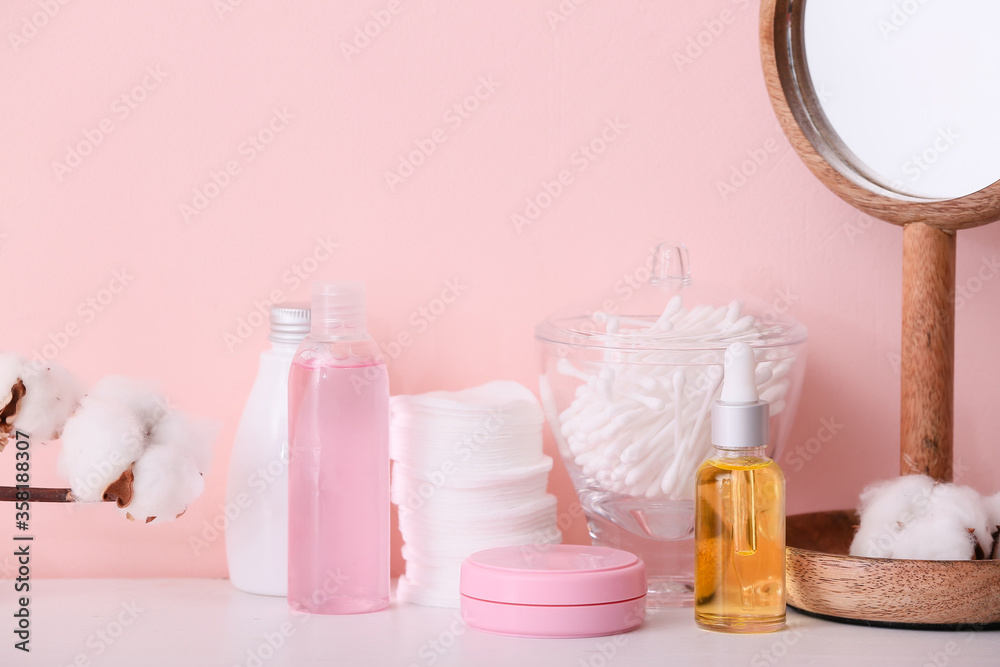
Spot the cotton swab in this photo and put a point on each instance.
(638, 424)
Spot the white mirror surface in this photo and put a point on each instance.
(912, 88)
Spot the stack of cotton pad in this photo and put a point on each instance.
(468, 474)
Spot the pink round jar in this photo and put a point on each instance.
(553, 591)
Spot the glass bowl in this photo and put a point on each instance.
(627, 388)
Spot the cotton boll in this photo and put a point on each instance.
(37, 400)
(937, 537)
(948, 528)
(914, 517)
(884, 505)
(963, 506)
(100, 441)
(141, 397)
(193, 438)
(166, 482)
(992, 507)
(11, 366)
(11, 393)
(892, 498)
(51, 394)
(125, 425)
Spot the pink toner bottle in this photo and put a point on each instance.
(338, 474)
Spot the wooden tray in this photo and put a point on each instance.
(822, 579)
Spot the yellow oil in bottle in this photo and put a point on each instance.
(740, 542)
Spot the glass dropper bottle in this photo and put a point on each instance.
(740, 512)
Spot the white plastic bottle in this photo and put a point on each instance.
(257, 488)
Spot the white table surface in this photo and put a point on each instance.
(180, 622)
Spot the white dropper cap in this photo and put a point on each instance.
(739, 417)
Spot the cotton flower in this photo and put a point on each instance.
(100, 443)
(140, 397)
(166, 481)
(170, 474)
(884, 507)
(993, 509)
(34, 398)
(914, 517)
(125, 443)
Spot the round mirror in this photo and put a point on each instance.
(911, 89)
(893, 104)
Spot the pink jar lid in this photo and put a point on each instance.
(560, 590)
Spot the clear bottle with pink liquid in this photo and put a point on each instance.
(338, 476)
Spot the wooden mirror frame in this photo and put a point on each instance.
(929, 226)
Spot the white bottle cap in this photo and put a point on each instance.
(739, 417)
(289, 323)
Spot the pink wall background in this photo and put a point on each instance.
(557, 73)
